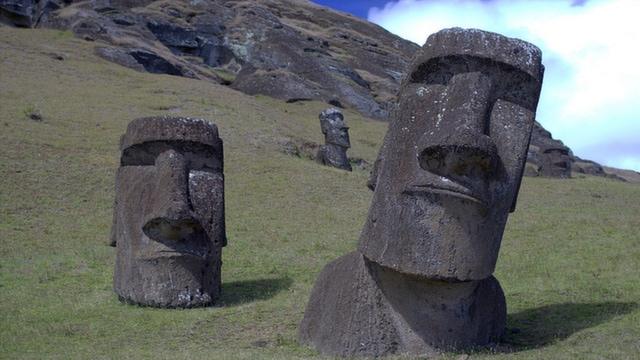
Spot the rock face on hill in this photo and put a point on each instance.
(288, 49)
(542, 142)
(292, 50)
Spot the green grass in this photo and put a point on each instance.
(569, 263)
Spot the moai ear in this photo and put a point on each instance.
(372, 182)
(373, 176)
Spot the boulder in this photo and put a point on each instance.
(27, 13)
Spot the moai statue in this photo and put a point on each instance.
(554, 161)
(447, 176)
(336, 140)
(168, 222)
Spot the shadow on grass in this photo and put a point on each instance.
(240, 292)
(545, 325)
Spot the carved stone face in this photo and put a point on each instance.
(555, 161)
(169, 225)
(334, 129)
(452, 160)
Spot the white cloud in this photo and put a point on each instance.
(591, 91)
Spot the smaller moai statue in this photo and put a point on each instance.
(555, 161)
(168, 220)
(336, 140)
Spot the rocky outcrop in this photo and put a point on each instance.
(27, 13)
(287, 49)
(542, 140)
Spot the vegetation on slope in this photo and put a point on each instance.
(569, 264)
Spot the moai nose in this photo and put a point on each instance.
(465, 150)
(172, 217)
(468, 104)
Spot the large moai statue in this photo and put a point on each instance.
(336, 140)
(446, 178)
(168, 222)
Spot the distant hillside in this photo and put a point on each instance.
(568, 261)
(292, 50)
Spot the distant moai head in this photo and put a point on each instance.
(334, 129)
(169, 223)
(451, 163)
(554, 161)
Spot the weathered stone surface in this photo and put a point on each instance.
(26, 13)
(138, 59)
(555, 162)
(359, 308)
(336, 140)
(542, 139)
(286, 49)
(168, 223)
(446, 178)
(153, 63)
(119, 57)
(453, 157)
(587, 167)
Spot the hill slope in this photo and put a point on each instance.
(568, 264)
(292, 50)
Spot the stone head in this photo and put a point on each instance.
(451, 163)
(169, 223)
(334, 129)
(555, 161)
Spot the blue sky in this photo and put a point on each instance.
(358, 8)
(591, 92)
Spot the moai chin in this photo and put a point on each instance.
(336, 137)
(446, 178)
(168, 222)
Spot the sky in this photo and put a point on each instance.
(590, 49)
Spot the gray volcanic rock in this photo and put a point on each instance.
(542, 140)
(555, 162)
(286, 49)
(26, 13)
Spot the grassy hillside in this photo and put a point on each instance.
(569, 265)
